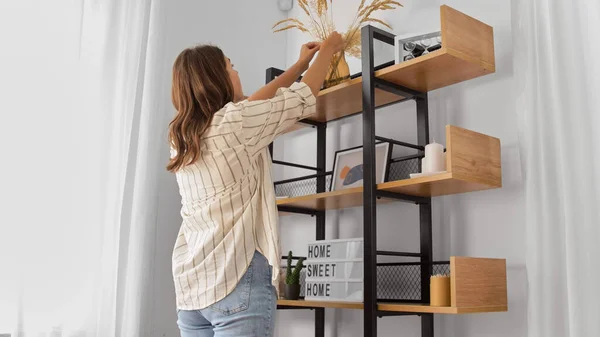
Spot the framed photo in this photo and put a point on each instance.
(348, 166)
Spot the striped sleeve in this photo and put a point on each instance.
(264, 120)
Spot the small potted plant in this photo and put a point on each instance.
(292, 278)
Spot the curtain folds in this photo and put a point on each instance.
(558, 80)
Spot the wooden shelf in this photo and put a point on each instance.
(393, 307)
(435, 185)
(320, 304)
(467, 53)
(473, 161)
(477, 285)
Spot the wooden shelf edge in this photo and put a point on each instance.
(322, 195)
(450, 183)
(321, 304)
(394, 307)
(414, 181)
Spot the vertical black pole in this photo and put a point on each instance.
(321, 143)
(270, 75)
(369, 184)
(422, 122)
(320, 235)
(425, 221)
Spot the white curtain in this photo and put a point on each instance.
(557, 70)
(82, 122)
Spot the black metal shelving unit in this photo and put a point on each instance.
(316, 183)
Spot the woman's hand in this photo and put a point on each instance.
(334, 43)
(315, 75)
(307, 52)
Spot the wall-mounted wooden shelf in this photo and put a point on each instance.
(320, 304)
(393, 307)
(478, 285)
(473, 162)
(467, 53)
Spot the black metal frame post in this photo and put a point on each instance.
(320, 215)
(425, 220)
(321, 178)
(369, 184)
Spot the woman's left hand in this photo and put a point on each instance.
(307, 52)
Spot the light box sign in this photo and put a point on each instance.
(350, 291)
(326, 269)
(336, 249)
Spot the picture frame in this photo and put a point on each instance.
(347, 166)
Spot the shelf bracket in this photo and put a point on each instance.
(291, 209)
(404, 254)
(403, 197)
(397, 89)
(399, 143)
(382, 314)
(291, 307)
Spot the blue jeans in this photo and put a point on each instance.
(248, 311)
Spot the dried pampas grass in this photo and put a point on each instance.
(320, 21)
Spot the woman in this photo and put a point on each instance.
(226, 257)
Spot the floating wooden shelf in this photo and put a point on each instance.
(467, 53)
(320, 304)
(392, 307)
(477, 285)
(473, 162)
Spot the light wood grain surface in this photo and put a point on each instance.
(473, 156)
(392, 307)
(478, 282)
(467, 37)
(473, 161)
(346, 99)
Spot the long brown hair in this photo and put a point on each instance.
(201, 87)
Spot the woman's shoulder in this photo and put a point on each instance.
(224, 121)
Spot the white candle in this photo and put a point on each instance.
(424, 165)
(434, 153)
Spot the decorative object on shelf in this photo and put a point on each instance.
(334, 290)
(334, 270)
(292, 278)
(348, 166)
(282, 276)
(434, 158)
(440, 290)
(410, 47)
(434, 161)
(320, 25)
(338, 249)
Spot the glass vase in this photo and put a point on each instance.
(338, 71)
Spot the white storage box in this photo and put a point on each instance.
(335, 290)
(341, 249)
(328, 269)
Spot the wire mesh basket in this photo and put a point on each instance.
(397, 170)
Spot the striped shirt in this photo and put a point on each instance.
(228, 202)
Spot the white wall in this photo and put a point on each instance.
(243, 30)
(483, 224)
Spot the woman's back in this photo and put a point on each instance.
(228, 201)
(226, 256)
